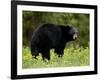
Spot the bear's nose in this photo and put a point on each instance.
(74, 36)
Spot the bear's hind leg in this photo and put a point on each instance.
(46, 55)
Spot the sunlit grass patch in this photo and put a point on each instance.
(72, 57)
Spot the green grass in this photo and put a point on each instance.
(72, 57)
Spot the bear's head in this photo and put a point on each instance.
(72, 33)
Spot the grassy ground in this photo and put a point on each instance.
(72, 57)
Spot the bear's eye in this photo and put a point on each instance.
(74, 33)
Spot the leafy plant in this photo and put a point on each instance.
(72, 57)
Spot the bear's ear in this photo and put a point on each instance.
(68, 27)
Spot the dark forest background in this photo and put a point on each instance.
(32, 19)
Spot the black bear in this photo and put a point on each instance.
(48, 36)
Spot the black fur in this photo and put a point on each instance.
(49, 36)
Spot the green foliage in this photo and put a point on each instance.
(32, 19)
(72, 57)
